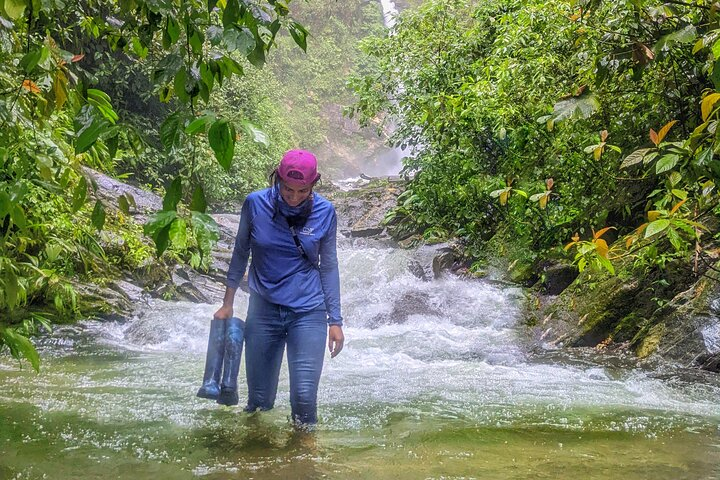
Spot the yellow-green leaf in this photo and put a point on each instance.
(681, 194)
(544, 200)
(698, 45)
(654, 215)
(504, 197)
(707, 104)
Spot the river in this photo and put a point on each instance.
(441, 387)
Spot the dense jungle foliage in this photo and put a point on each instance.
(541, 128)
(170, 95)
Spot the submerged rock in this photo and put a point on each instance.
(410, 303)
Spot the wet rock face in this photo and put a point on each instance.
(110, 190)
(362, 209)
(709, 362)
(557, 277)
(430, 261)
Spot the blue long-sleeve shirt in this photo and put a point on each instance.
(278, 271)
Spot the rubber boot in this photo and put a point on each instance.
(234, 333)
(213, 361)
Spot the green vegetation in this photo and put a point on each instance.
(557, 123)
(170, 95)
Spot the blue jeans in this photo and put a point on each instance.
(269, 328)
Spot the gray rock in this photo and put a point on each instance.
(430, 261)
(709, 361)
(110, 190)
(410, 303)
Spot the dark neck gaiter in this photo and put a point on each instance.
(296, 216)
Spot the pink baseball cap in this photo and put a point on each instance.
(298, 168)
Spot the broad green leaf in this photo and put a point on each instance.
(196, 40)
(207, 76)
(206, 223)
(161, 240)
(173, 29)
(299, 34)
(675, 239)
(198, 202)
(31, 59)
(178, 233)
(98, 215)
(14, 8)
(699, 45)
(257, 56)
(681, 194)
(686, 34)
(11, 286)
(231, 13)
(666, 163)
(167, 68)
(607, 265)
(88, 128)
(580, 107)
(17, 214)
(198, 125)
(88, 135)
(157, 221)
(180, 85)
(170, 131)
(215, 34)
(101, 101)
(656, 227)
(221, 137)
(124, 205)
(173, 194)
(705, 157)
(22, 345)
(257, 135)
(674, 178)
(79, 194)
(240, 40)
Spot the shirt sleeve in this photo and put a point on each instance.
(330, 273)
(241, 251)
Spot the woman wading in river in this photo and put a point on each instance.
(294, 286)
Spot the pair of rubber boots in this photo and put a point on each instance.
(222, 362)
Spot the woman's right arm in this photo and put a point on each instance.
(238, 263)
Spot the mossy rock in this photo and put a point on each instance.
(650, 342)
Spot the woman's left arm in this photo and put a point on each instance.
(330, 279)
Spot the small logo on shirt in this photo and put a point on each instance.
(307, 231)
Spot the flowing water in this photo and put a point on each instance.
(434, 383)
